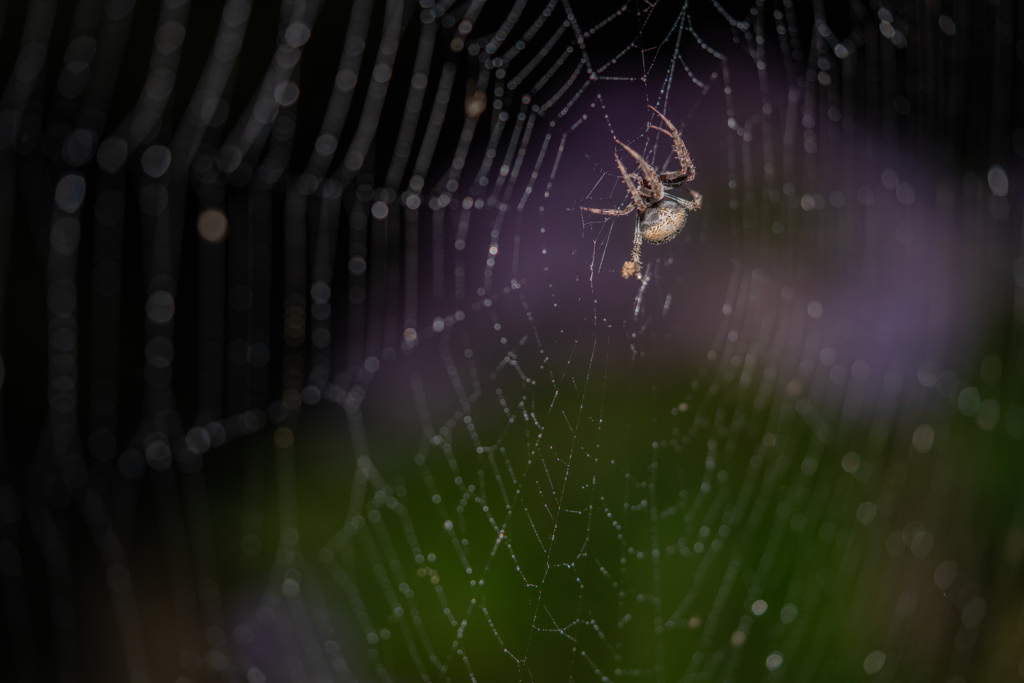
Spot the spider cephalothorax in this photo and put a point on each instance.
(660, 216)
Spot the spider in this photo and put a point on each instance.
(660, 216)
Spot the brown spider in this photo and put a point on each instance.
(660, 216)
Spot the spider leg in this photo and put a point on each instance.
(698, 201)
(638, 198)
(636, 193)
(641, 185)
(673, 184)
(611, 212)
(649, 173)
(687, 172)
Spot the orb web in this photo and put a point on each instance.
(473, 450)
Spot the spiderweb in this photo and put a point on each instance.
(789, 450)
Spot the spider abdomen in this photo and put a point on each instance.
(663, 220)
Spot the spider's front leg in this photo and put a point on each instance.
(636, 194)
(638, 198)
(655, 188)
(686, 171)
